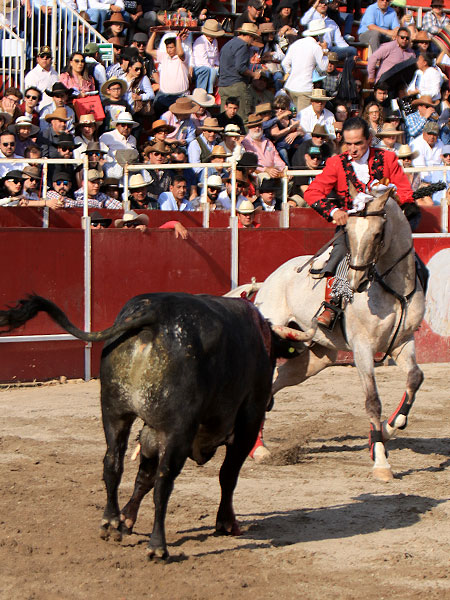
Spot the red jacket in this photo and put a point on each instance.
(338, 172)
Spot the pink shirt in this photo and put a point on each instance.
(174, 76)
(266, 152)
(87, 85)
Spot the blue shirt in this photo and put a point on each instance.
(234, 60)
(375, 16)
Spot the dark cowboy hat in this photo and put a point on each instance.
(94, 147)
(111, 182)
(14, 174)
(284, 4)
(97, 217)
(269, 185)
(65, 140)
(126, 155)
(248, 159)
(59, 88)
(62, 175)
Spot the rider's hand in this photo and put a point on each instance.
(340, 217)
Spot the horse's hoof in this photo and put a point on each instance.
(157, 554)
(261, 454)
(383, 474)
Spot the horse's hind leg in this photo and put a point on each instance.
(364, 363)
(405, 357)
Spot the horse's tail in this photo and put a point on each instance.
(27, 308)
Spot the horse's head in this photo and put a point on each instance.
(365, 231)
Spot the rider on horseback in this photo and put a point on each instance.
(360, 166)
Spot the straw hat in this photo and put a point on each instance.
(421, 36)
(130, 216)
(210, 124)
(316, 27)
(426, 100)
(58, 113)
(246, 207)
(125, 118)
(94, 147)
(183, 106)
(113, 81)
(7, 118)
(156, 146)
(161, 125)
(32, 171)
(202, 98)
(266, 28)
(218, 152)
(214, 181)
(249, 29)
(116, 41)
(240, 178)
(389, 129)
(23, 121)
(212, 28)
(265, 107)
(116, 19)
(87, 119)
(253, 121)
(137, 181)
(232, 130)
(319, 95)
(405, 152)
(94, 174)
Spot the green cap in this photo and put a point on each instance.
(91, 48)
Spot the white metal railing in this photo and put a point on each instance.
(54, 24)
(12, 58)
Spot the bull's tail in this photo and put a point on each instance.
(29, 307)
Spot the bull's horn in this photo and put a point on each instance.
(295, 334)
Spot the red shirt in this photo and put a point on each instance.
(337, 173)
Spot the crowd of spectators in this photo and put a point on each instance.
(270, 90)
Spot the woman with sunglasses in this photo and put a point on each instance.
(31, 100)
(11, 188)
(139, 86)
(77, 76)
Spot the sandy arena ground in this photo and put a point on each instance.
(315, 523)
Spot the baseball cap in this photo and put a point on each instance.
(91, 48)
(314, 151)
(44, 50)
(140, 37)
(431, 127)
(445, 150)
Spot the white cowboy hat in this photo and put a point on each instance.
(125, 118)
(131, 216)
(214, 181)
(246, 207)
(232, 130)
(202, 98)
(405, 152)
(316, 27)
(23, 121)
(137, 181)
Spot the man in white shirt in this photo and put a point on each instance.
(175, 199)
(8, 150)
(205, 53)
(99, 9)
(204, 143)
(302, 57)
(120, 138)
(43, 76)
(316, 113)
(427, 79)
(429, 148)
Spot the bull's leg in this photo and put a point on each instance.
(117, 431)
(170, 465)
(245, 433)
(364, 363)
(145, 480)
(405, 357)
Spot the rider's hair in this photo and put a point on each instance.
(357, 123)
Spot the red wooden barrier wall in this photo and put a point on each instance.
(128, 262)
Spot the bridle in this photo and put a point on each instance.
(376, 213)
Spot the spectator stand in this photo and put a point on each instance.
(12, 57)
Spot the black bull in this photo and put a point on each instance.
(198, 371)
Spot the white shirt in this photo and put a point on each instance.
(225, 200)
(205, 53)
(333, 37)
(114, 140)
(427, 155)
(167, 202)
(308, 119)
(361, 168)
(302, 57)
(83, 5)
(7, 167)
(428, 82)
(43, 80)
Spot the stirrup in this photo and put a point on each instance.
(317, 273)
(335, 309)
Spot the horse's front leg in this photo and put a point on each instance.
(364, 363)
(405, 357)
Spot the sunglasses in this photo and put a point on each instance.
(78, 60)
(61, 182)
(314, 157)
(404, 37)
(140, 43)
(8, 144)
(32, 179)
(137, 68)
(88, 124)
(93, 153)
(15, 180)
(31, 97)
(446, 155)
(125, 125)
(46, 56)
(129, 224)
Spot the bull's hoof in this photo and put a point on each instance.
(126, 525)
(383, 474)
(104, 531)
(108, 531)
(223, 529)
(157, 554)
(261, 454)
